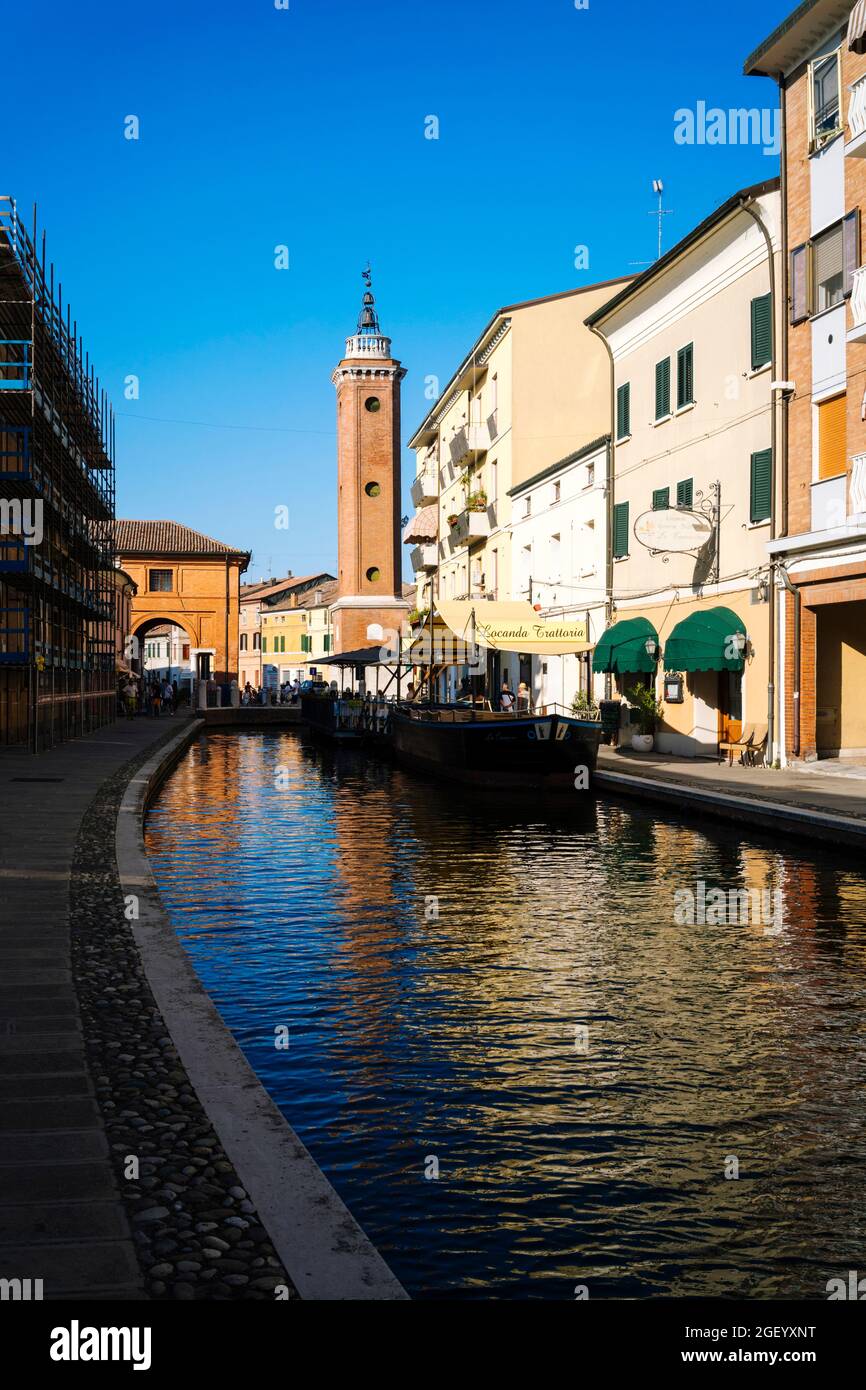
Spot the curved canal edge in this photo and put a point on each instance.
(324, 1250)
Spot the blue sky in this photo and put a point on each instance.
(305, 127)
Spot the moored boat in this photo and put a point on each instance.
(547, 751)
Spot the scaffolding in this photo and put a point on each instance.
(57, 581)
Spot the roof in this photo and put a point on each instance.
(724, 210)
(311, 585)
(503, 313)
(254, 592)
(795, 38)
(552, 468)
(168, 538)
(360, 656)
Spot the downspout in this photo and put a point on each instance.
(748, 207)
(610, 471)
(792, 589)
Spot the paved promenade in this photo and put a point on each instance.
(61, 1218)
(819, 802)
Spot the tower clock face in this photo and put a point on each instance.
(372, 403)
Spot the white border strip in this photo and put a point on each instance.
(323, 1249)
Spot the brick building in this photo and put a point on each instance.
(370, 601)
(817, 56)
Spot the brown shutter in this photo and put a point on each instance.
(799, 284)
(851, 240)
(831, 438)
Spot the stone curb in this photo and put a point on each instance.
(322, 1247)
(755, 812)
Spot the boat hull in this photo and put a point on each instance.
(541, 753)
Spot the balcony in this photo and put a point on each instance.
(857, 334)
(424, 557)
(829, 503)
(857, 487)
(425, 489)
(469, 526)
(856, 146)
(469, 442)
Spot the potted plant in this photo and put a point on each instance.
(476, 502)
(453, 519)
(649, 709)
(584, 706)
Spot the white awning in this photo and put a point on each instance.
(513, 627)
(857, 28)
(424, 526)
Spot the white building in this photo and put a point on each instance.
(558, 549)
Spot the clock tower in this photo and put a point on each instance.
(370, 602)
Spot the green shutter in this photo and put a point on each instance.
(762, 331)
(685, 493)
(761, 485)
(620, 529)
(264, 644)
(685, 376)
(327, 641)
(661, 499)
(663, 388)
(623, 411)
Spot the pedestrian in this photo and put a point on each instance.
(130, 695)
(523, 699)
(168, 696)
(506, 699)
(156, 699)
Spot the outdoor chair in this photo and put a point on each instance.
(755, 755)
(738, 745)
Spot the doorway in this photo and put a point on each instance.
(730, 706)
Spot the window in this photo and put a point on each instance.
(264, 644)
(661, 499)
(686, 376)
(554, 554)
(663, 389)
(327, 641)
(186, 651)
(831, 438)
(527, 505)
(557, 492)
(590, 475)
(828, 269)
(685, 493)
(761, 485)
(159, 581)
(372, 403)
(243, 641)
(824, 113)
(257, 641)
(373, 574)
(620, 530)
(623, 411)
(372, 489)
(762, 332)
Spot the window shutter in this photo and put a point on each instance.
(620, 529)
(685, 492)
(623, 411)
(661, 499)
(799, 284)
(832, 429)
(761, 485)
(663, 388)
(685, 376)
(851, 249)
(762, 331)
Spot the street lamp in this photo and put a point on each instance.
(652, 647)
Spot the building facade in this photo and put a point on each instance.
(296, 624)
(817, 57)
(190, 581)
(57, 583)
(533, 390)
(691, 343)
(369, 604)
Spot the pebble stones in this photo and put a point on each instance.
(195, 1230)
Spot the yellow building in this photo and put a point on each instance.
(534, 389)
(694, 424)
(296, 627)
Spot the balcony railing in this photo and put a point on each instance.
(468, 527)
(828, 503)
(469, 441)
(857, 334)
(857, 486)
(425, 488)
(424, 557)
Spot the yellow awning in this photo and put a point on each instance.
(513, 627)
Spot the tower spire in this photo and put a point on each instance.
(369, 340)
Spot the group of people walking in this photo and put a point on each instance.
(286, 694)
(156, 697)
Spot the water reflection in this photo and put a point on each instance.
(302, 883)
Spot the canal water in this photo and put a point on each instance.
(521, 1065)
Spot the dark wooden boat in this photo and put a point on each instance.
(540, 752)
(339, 720)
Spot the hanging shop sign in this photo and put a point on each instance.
(673, 530)
(673, 689)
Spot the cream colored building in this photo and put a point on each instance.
(534, 389)
(693, 473)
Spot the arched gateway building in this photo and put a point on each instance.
(187, 580)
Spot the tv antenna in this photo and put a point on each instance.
(660, 212)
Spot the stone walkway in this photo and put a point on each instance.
(61, 1217)
(828, 806)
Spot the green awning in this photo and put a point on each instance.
(705, 642)
(623, 648)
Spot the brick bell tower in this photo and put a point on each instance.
(370, 601)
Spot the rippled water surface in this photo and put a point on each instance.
(300, 881)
